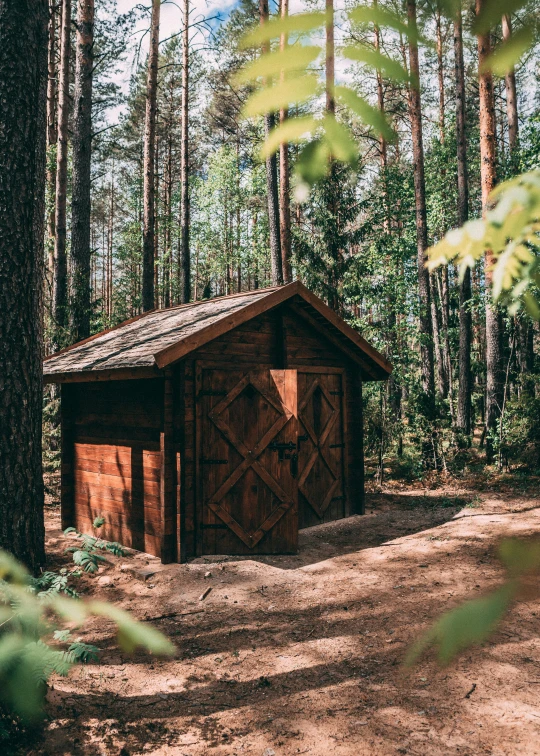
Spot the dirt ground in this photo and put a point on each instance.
(303, 654)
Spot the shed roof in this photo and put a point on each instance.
(144, 345)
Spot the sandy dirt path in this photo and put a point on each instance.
(302, 655)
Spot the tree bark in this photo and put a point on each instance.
(494, 356)
(52, 138)
(284, 180)
(426, 332)
(440, 72)
(23, 127)
(333, 249)
(383, 147)
(149, 214)
(82, 155)
(511, 96)
(465, 318)
(185, 253)
(271, 181)
(59, 278)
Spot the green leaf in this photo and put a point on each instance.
(471, 623)
(295, 58)
(99, 521)
(340, 142)
(312, 163)
(83, 652)
(133, 634)
(379, 17)
(292, 131)
(12, 571)
(282, 95)
(531, 305)
(375, 59)
(492, 11)
(89, 562)
(370, 116)
(508, 54)
(295, 24)
(520, 557)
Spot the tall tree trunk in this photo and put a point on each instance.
(168, 224)
(426, 332)
(185, 253)
(23, 127)
(82, 154)
(59, 278)
(272, 181)
(284, 180)
(465, 318)
(438, 337)
(149, 220)
(333, 249)
(383, 147)
(440, 72)
(52, 138)
(522, 323)
(494, 328)
(511, 96)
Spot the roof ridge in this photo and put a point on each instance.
(268, 289)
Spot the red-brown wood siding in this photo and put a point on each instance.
(274, 340)
(115, 461)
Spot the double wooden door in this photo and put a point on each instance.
(265, 440)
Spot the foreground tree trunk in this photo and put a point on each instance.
(284, 181)
(149, 213)
(59, 278)
(271, 181)
(426, 333)
(82, 155)
(185, 254)
(494, 326)
(465, 319)
(23, 93)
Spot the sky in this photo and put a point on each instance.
(171, 21)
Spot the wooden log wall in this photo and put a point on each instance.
(119, 457)
(279, 339)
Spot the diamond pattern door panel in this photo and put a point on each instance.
(321, 492)
(247, 430)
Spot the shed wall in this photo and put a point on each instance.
(278, 339)
(112, 460)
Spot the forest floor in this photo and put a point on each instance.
(303, 654)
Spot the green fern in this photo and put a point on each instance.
(33, 613)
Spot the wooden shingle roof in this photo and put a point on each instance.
(148, 343)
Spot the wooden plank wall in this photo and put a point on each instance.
(278, 339)
(118, 436)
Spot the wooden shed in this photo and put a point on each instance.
(218, 427)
